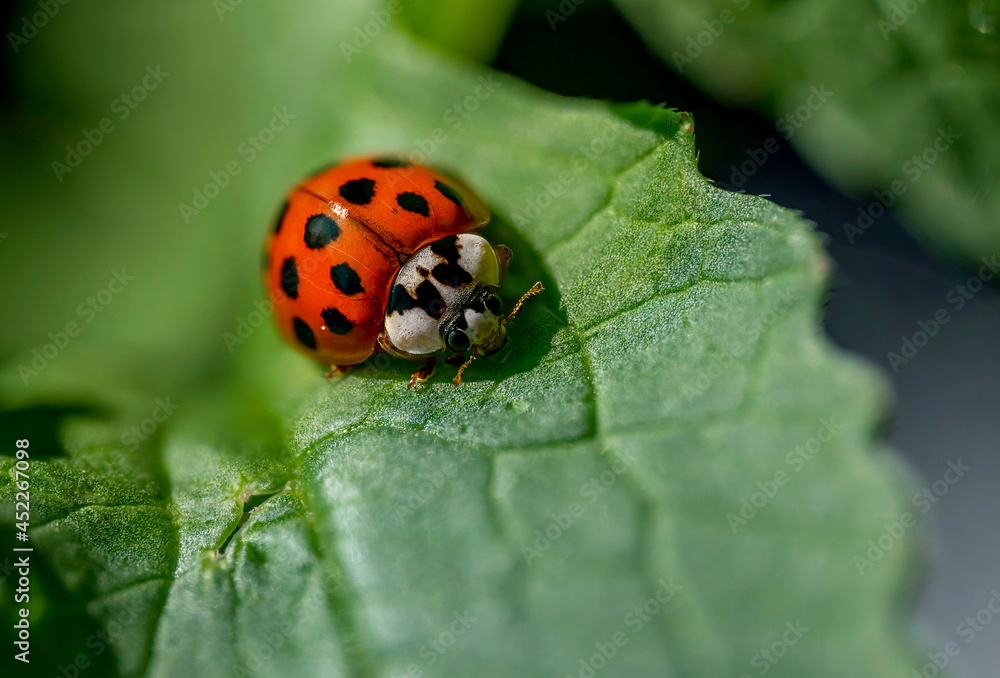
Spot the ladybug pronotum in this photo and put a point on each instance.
(380, 255)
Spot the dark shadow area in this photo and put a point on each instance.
(61, 630)
(40, 424)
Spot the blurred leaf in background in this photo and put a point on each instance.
(207, 505)
(910, 115)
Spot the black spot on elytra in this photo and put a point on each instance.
(336, 322)
(358, 191)
(290, 278)
(449, 273)
(423, 272)
(346, 279)
(428, 298)
(281, 217)
(321, 230)
(390, 162)
(304, 333)
(448, 192)
(414, 202)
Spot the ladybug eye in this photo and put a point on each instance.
(494, 304)
(458, 341)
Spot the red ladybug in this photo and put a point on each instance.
(378, 254)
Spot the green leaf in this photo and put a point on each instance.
(268, 522)
(471, 29)
(912, 109)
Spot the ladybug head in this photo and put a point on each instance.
(478, 326)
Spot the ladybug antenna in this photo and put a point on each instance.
(458, 377)
(535, 289)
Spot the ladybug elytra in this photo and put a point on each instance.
(378, 254)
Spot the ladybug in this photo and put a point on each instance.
(378, 254)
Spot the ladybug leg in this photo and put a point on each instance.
(336, 371)
(421, 375)
(425, 372)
